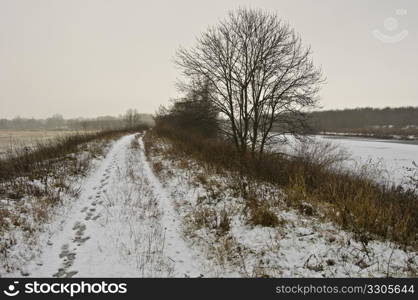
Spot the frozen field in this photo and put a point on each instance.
(392, 157)
(18, 138)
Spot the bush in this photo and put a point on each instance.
(262, 215)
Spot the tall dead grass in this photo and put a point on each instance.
(352, 200)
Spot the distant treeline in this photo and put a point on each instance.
(365, 118)
(57, 122)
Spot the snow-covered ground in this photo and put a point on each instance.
(121, 225)
(299, 246)
(157, 215)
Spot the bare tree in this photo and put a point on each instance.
(132, 118)
(193, 112)
(55, 122)
(261, 75)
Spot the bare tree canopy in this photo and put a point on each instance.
(132, 118)
(193, 112)
(261, 75)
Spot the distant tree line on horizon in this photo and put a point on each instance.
(57, 122)
(364, 118)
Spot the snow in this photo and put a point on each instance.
(121, 225)
(394, 157)
(301, 246)
(131, 221)
(389, 157)
(177, 249)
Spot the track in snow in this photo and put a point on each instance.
(122, 225)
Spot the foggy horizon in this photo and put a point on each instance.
(99, 58)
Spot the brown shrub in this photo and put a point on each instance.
(204, 216)
(157, 167)
(260, 214)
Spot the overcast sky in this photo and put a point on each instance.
(101, 57)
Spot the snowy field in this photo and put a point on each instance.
(391, 157)
(12, 139)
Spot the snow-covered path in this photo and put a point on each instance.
(123, 224)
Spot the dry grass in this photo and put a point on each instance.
(157, 167)
(211, 213)
(312, 182)
(260, 213)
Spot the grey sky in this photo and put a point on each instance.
(101, 57)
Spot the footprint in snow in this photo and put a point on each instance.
(68, 260)
(80, 240)
(79, 227)
(71, 274)
(89, 215)
(62, 273)
(76, 225)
